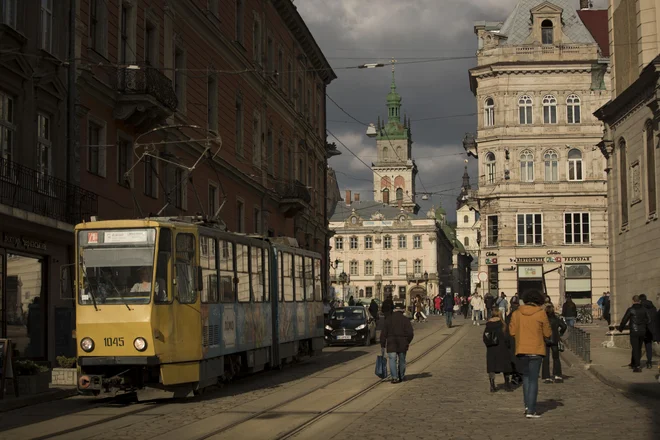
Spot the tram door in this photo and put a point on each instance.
(275, 272)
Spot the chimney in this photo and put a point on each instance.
(356, 197)
(584, 4)
(348, 197)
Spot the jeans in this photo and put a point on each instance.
(448, 316)
(636, 342)
(502, 313)
(476, 315)
(489, 313)
(399, 373)
(530, 373)
(570, 322)
(556, 362)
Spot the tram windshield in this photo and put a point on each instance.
(116, 266)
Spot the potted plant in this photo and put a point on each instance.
(67, 373)
(32, 377)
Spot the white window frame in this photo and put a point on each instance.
(417, 241)
(354, 268)
(353, 242)
(552, 32)
(387, 267)
(402, 267)
(101, 149)
(578, 164)
(536, 216)
(8, 12)
(490, 167)
(402, 240)
(387, 239)
(489, 112)
(339, 243)
(526, 104)
(553, 164)
(581, 234)
(526, 165)
(489, 236)
(418, 266)
(122, 141)
(549, 110)
(7, 125)
(46, 19)
(573, 103)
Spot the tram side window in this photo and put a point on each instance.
(185, 258)
(208, 262)
(243, 273)
(299, 280)
(164, 254)
(266, 275)
(226, 254)
(257, 274)
(309, 280)
(280, 276)
(287, 278)
(318, 284)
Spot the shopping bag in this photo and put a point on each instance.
(381, 365)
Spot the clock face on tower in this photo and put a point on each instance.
(353, 220)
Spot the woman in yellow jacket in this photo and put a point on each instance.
(530, 327)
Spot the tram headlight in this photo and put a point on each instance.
(87, 345)
(140, 344)
(328, 328)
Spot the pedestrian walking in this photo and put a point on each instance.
(498, 354)
(465, 304)
(569, 311)
(351, 301)
(552, 347)
(388, 306)
(516, 377)
(437, 304)
(396, 336)
(448, 303)
(373, 309)
(600, 303)
(477, 304)
(419, 310)
(502, 304)
(639, 320)
(652, 331)
(530, 326)
(606, 309)
(489, 302)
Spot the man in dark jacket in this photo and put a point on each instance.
(489, 302)
(606, 308)
(388, 306)
(639, 323)
(651, 330)
(448, 304)
(373, 309)
(569, 312)
(397, 336)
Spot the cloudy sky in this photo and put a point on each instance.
(435, 92)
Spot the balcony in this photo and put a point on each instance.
(27, 189)
(145, 96)
(295, 198)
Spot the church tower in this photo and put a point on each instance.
(394, 170)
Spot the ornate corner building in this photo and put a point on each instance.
(542, 192)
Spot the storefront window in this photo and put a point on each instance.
(24, 313)
(493, 280)
(578, 283)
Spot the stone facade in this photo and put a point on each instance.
(468, 226)
(630, 145)
(542, 186)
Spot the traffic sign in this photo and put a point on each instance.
(483, 276)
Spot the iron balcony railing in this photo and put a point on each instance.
(295, 190)
(24, 188)
(146, 80)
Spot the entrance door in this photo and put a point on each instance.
(530, 278)
(24, 310)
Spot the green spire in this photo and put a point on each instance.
(393, 100)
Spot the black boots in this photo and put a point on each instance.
(507, 384)
(492, 386)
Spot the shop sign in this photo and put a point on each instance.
(540, 260)
(554, 253)
(577, 259)
(25, 242)
(491, 261)
(530, 271)
(491, 254)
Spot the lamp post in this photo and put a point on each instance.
(379, 285)
(343, 280)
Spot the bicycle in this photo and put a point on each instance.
(584, 315)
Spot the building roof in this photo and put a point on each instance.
(518, 26)
(596, 22)
(366, 209)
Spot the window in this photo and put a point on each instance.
(151, 176)
(299, 95)
(270, 56)
(256, 139)
(270, 152)
(298, 280)
(280, 69)
(577, 228)
(399, 194)
(150, 44)
(530, 229)
(123, 34)
(208, 261)
(95, 149)
(212, 103)
(280, 159)
(256, 219)
(124, 162)
(318, 281)
(403, 267)
(387, 242)
(287, 281)
(368, 267)
(492, 231)
(353, 267)
(243, 273)
(7, 127)
(46, 26)
(549, 109)
(551, 160)
(354, 242)
(417, 266)
(489, 113)
(179, 76)
(369, 291)
(623, 181)
(526, 166)
(256, 41)
(575, 165)
(466, 241)
(240, 216)
(257, 274)
(387, 267)
(238, 124)
(185, 259)
(368, 242)
(490, 168)
(226, 260)
(309, 279)
(240, 14)
(417, 241)
(213, 199)
(339, 243)
(44, 144)
(466, 219)
(95, 32)
(289, 73)
(402, 241)
(8, 12)
(525, 109)
(573, 109)
(386, 196)
(179, 187)
(650, 167)
(547, 32)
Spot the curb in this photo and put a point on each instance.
(22, 402)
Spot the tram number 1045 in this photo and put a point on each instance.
(113, 342)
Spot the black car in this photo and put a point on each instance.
(350, 325)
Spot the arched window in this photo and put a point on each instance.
(573, 109)
(525, 109)
(650, 167)
(549, 109)
(623, 181)
(399, 194)
(489, 112)
(466, 241)
(490, 168)
(386, 196)
(547, 32)
(399, 154)
(526, 166)
(466, 219)
(386, 153)
(575, 165)
(551, 158)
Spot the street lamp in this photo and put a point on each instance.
(343, 280)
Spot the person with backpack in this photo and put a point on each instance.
(498, 354)
(558, 328)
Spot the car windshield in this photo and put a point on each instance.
(348, 313)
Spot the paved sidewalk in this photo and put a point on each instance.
(10, 402)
